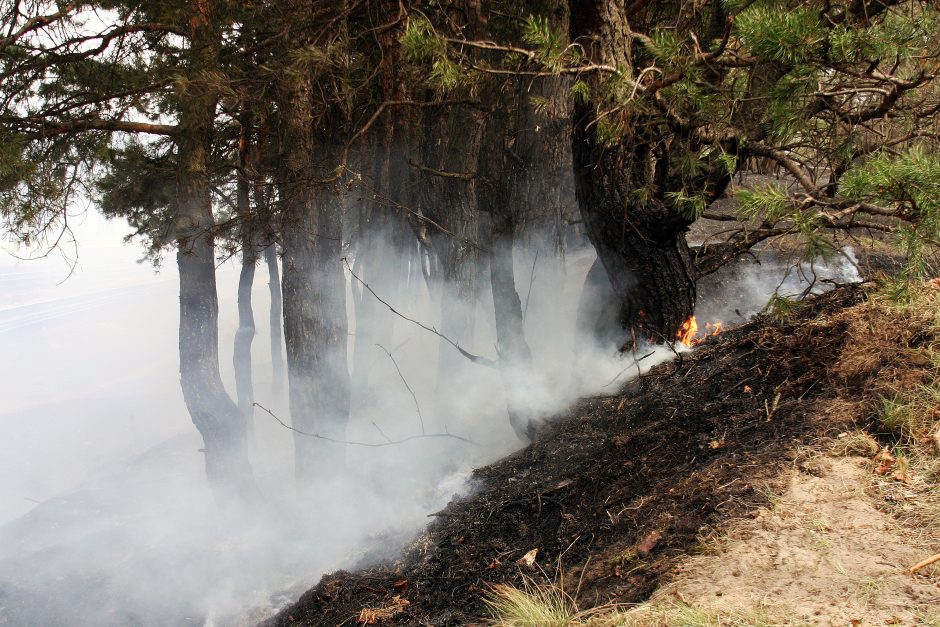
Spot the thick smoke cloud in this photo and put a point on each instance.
(126, 532)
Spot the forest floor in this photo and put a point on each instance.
(783, 472)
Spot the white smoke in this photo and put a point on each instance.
(94, 429)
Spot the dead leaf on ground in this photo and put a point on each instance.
(885, 461)
(649, 542)
(528, 559)
(901, 475)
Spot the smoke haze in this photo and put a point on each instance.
(105, 514)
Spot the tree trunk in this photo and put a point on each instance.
(314, 289)
(383, 249)
(245, 334)
(639, 238)
(274, 286)
(515, 356)
(499, 171)
(315, 328)
(218, 419)
(450, 145)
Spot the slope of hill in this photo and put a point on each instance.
(736, 451)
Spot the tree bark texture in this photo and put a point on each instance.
(222, 426)
(499, 171)
(245, 334)
(639, 237)
(314, 288)
(384, 239)
(449, 145)
(274, 287)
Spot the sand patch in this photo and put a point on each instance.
(823, 554)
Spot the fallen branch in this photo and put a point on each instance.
(366, 444)
(408, 387)
(477, 359)
(927, 562)
(636, 362)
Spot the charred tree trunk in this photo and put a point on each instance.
(639, 237)
(245, 334)
(383, 249)
(274, 287)
(445, 173)
(314, 288)
(499, 170)
(385, 240)
(515, 356)
(222, 426)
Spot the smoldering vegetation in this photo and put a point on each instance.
(141, 540)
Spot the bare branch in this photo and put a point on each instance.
(408, 387)
(366, 444)
(477, 359)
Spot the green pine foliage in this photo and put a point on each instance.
(768, 203)
(773, 32)
(910, 180)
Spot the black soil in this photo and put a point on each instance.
(613, 492)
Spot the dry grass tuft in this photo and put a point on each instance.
(549, 606)
(532, 604)
(899, 341)
(855, 443)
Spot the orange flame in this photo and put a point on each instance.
(689, 330)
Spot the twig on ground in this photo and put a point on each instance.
(477, 359)
(927, 562)
(367, 444)
(636, 362)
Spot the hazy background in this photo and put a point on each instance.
(105, 516)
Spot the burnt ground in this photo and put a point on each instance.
(616, 490)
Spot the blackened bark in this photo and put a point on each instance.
(274, 287)
(450, 144)
(499, 170)
(642, 245)
(544, 181)
(218, 419)
(639, 237)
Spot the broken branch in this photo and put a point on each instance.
(367, 444)
(927, 562)
(408, 387)
(477, 359)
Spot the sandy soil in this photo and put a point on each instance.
(822, 554)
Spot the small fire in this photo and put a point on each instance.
(689, 330)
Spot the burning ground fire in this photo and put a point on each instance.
(689, 331)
